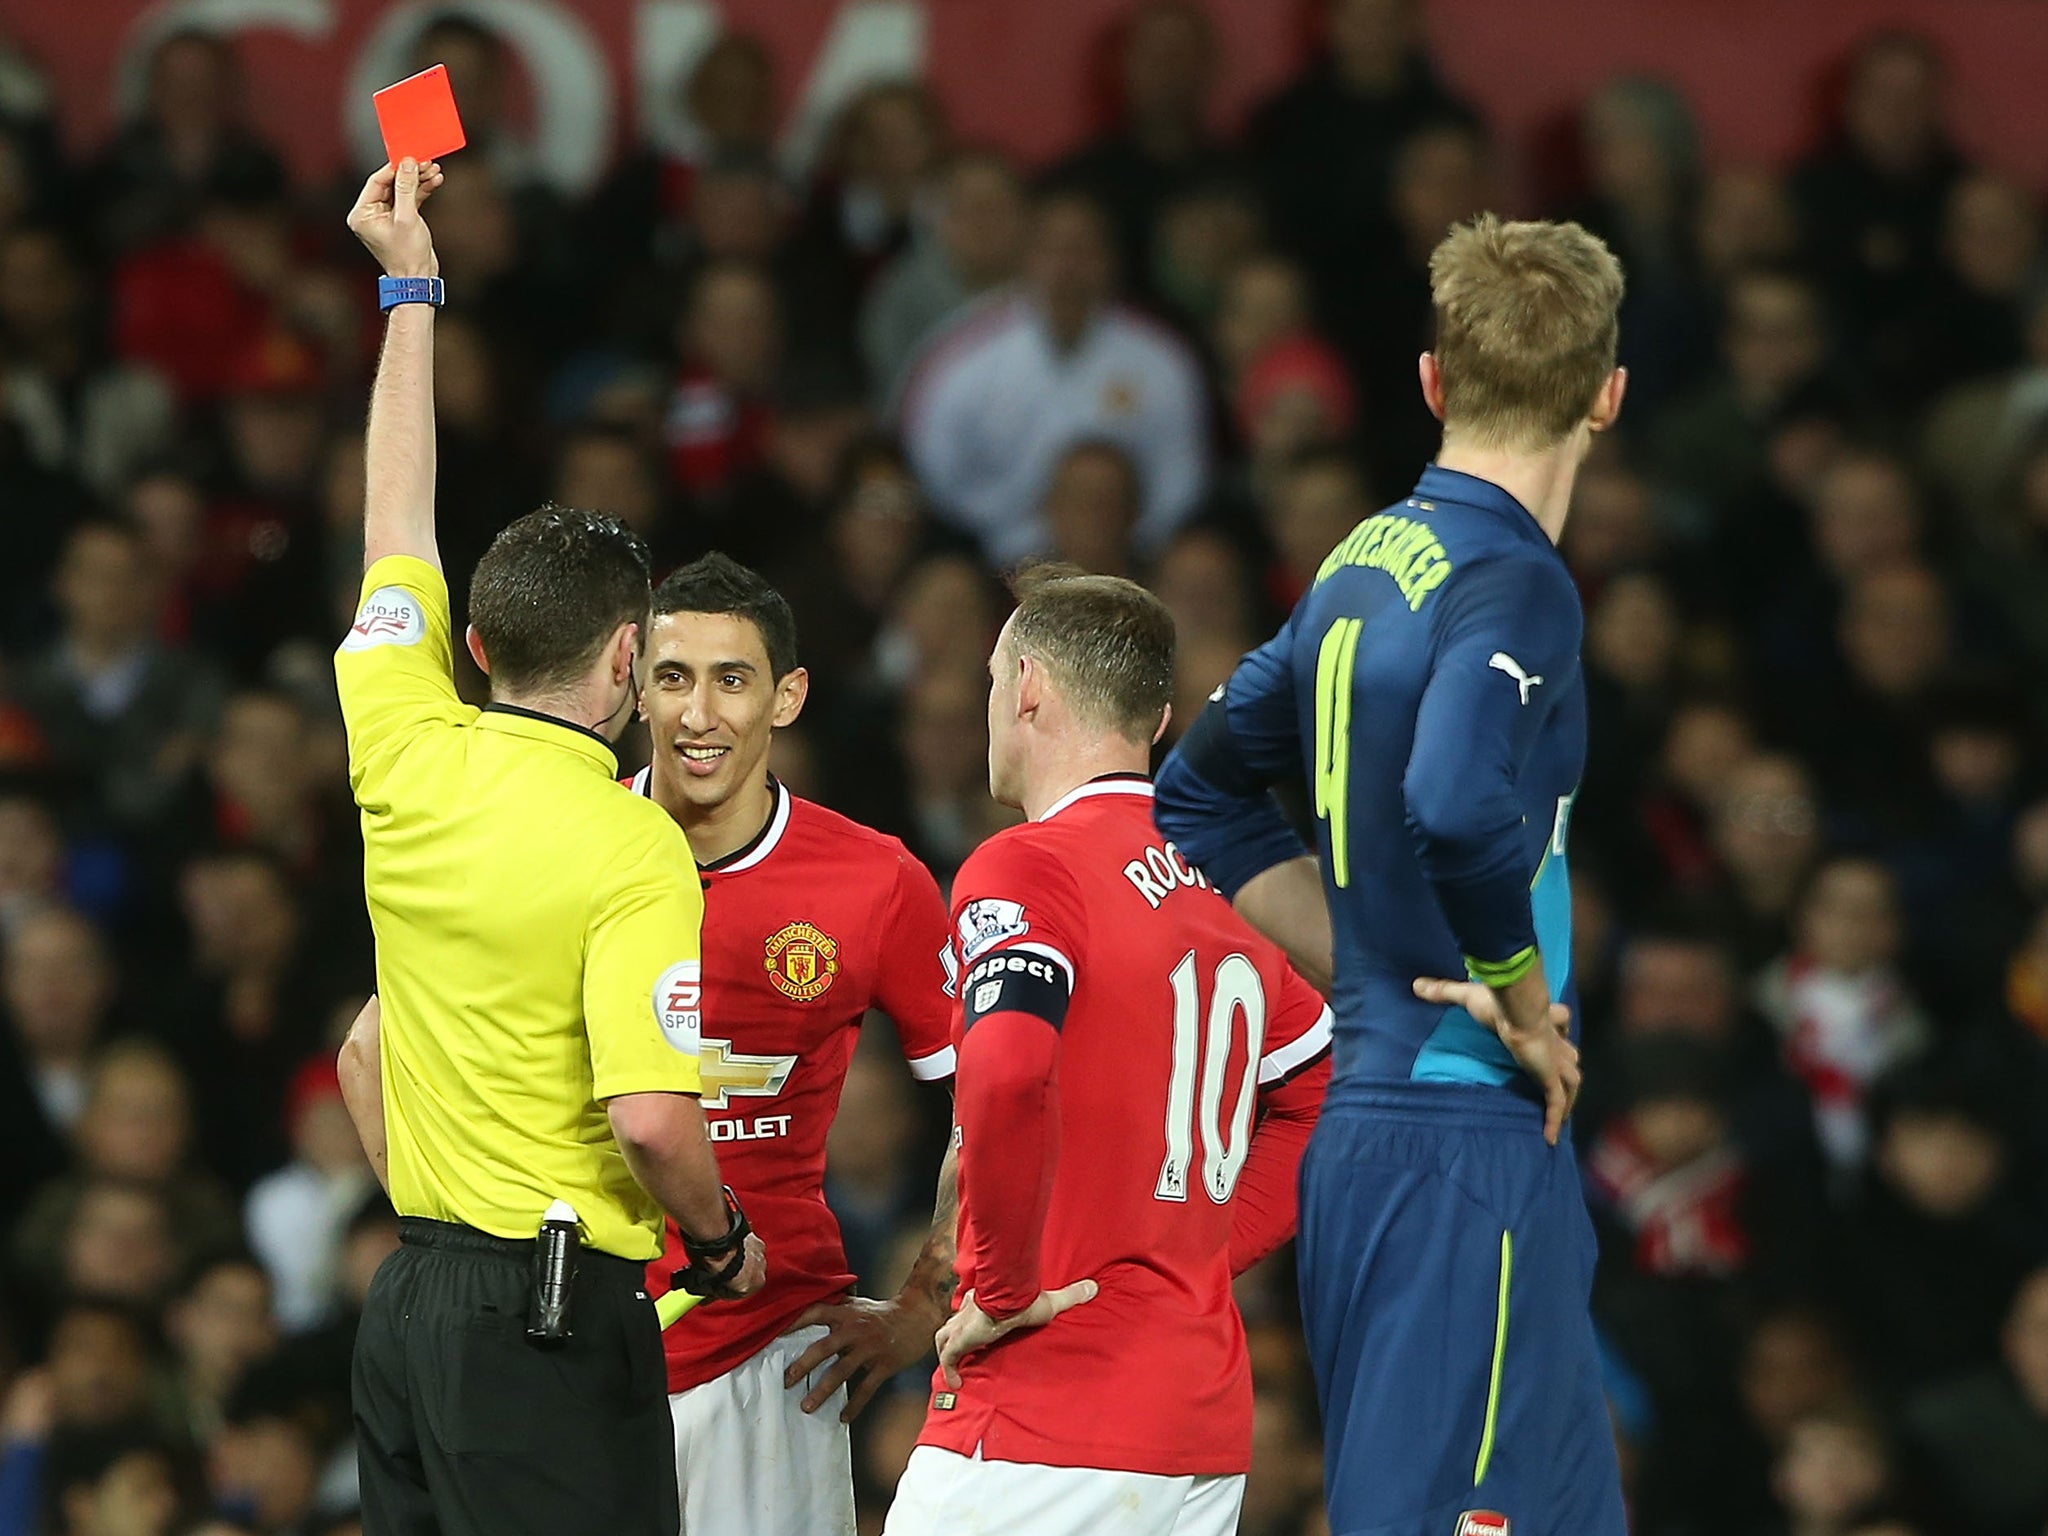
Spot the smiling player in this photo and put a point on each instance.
(809, 921)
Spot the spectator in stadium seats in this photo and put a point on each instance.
(1324, 145)
(1318, 498)
(1712, 442)
(1871, 201)
(2005, 558)
(80, 411)
(1201, 577)
(219, 1324)
(191, 132)
(1293, 398)
(1969, 321)
(1159, 142)
(135, 1132)
(1000, 394)
(872, 189)
(607, 465)
(1441, 174)
(773, 515)
(1745, 220)
(1839, 1003)
(263, 1466)
(971, 248)
(1633, 661)
(111, 1482)
(1976, 436)
(943, 726)
(1265, 299)
(249, 1008)
(1658, 837)
(1940, 1234)
(842, 587)
(641, 218)
(1092, 508)
(120, 711)
(1983, 1437)
(1202, 663)
(1897, 650)
(1642, 156)
(1614, 527)
(32, 854)
(730, 341)
(482, 75)
(296, 1216)
(1766, 831)
(59, 984)
(1677, 981)
(1835, 1474)
(1202, 234)
(119, 1243)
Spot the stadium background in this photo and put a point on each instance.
(1811, 855)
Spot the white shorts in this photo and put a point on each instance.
(946, 1494)
(751, 1462)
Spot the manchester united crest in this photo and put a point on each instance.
(801, 961)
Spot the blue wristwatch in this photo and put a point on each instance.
(393, 291)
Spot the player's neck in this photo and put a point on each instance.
(1541, 482)
(718, 831)
(1056, 780)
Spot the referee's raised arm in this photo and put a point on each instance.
(528, 1081)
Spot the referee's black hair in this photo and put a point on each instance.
(550, 591)
(717, 583)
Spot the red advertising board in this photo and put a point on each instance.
(1026, 73)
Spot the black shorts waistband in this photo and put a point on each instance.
(454, 1237)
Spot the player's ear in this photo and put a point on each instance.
(625, 651)
(1165, 719)
(1030, 685)
(790, 694)
(1432, 384)
(475, 642)
(1607, 403)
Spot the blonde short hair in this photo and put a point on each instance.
(1526, 328)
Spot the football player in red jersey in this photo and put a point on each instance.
(1139, 1072)
(809, 921)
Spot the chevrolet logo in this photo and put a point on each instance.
(726, 1073)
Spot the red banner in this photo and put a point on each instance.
(1028, 73)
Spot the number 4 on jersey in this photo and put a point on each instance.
(1201, 1059)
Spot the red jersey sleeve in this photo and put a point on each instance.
(1293, 1073)
(1017, 923)
(914, 984)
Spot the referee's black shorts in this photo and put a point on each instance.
(465, 1428)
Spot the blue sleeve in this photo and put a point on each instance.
(1507, 649)
(21, 1487)
(1213, 796)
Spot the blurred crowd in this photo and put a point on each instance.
(1810, 858)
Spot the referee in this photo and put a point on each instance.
(537, 962)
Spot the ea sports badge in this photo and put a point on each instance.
(1482, 1522)
(389, 616)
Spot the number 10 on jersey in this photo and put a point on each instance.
(1202, 1054)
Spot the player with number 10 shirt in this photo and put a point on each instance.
(1138, 1075)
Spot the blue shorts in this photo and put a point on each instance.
(1446, 1264)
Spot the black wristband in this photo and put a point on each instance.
(715, 1262)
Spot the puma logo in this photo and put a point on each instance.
(1501, 661)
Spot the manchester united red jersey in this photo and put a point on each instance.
(805, 929)
(1180, 1018)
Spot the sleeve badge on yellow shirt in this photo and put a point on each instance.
(389, 616)
(801, 960)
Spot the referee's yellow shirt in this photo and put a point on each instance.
(537, 936)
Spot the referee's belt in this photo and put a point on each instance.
(454, 1237)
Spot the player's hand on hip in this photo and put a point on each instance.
(970, 1328)
(386, 218)
(1536, 1031)
(868, 1342)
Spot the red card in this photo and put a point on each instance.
(418, 118)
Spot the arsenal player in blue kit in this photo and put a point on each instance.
(810, 920)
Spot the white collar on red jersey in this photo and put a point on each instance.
(763, 843)
(1108, 784)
